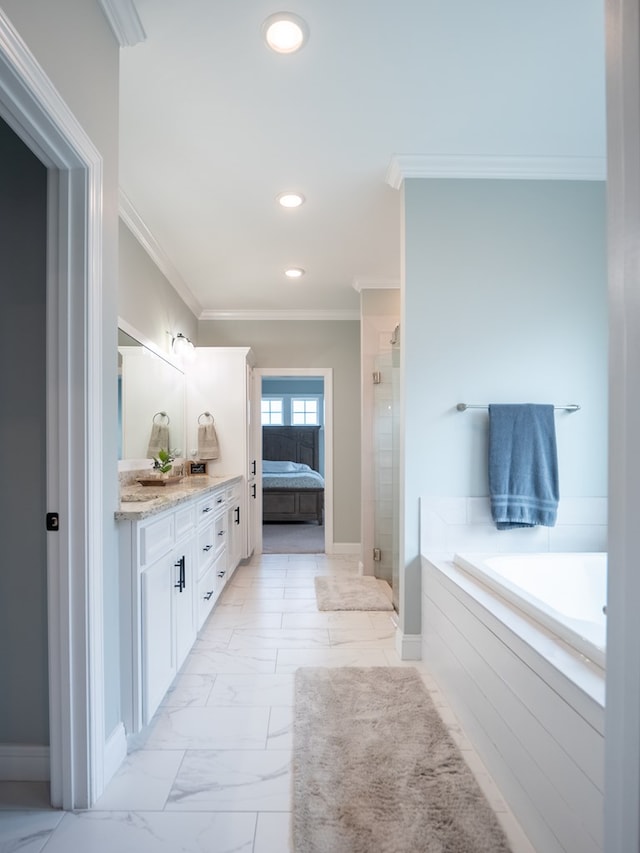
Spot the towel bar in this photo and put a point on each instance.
(571, 407)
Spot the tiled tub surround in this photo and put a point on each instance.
(211, 773)
(532, 706)
(457, 524)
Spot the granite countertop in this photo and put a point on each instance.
(138, 502)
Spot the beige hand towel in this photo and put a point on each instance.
(208, 442)
(158, 440)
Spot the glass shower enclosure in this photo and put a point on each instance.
(386, 434)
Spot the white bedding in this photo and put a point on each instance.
(278, 474)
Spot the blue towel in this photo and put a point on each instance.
(523, 465)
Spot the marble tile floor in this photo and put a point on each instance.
(211, 773)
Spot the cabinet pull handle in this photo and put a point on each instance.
(221, 533)
(219, 500)
(222, 573)
(207, 509)
(253, 467)
(253, 490)
(179, 564)
(207, 547)
(237, 512)
(208, 595)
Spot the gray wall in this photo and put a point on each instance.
(504, 300)
(301, 385)
(146, 299)
(321, 344)
(24, 716)
(85, 72)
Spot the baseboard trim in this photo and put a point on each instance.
(345, 548)
(23, 763)
(115, 752)
(409, 646)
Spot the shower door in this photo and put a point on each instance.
(386, 459)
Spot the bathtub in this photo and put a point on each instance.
(519, 655)
(565, 592)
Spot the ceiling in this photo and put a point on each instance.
(214, 125)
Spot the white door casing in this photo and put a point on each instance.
(34, 110)
(327, 375)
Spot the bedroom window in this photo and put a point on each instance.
(304, 410)
(271, 411)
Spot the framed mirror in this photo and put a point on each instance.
(151, 389)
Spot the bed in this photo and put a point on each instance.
(292, 488)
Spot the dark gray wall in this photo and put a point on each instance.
(24, 707)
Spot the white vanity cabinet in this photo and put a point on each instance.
(221, 383)
(174, 563)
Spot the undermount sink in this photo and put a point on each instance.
(138, 498)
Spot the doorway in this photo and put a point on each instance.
(296, 417)
(24, 716)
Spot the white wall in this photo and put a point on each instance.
(504, 300)
(146, 299)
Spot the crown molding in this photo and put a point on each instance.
(405, 166)
(125, 21)
(310, 314)
(134, 222)
(361, 284)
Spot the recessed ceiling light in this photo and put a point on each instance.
(285, 32)
(290, 199)
(294, 272)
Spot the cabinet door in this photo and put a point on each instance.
(158, 659)
(252, 517)
(236, 532)
(184, 602)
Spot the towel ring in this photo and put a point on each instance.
(205, 415)
(161, 415)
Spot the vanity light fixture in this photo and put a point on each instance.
(290, 199)
(182, 346)
(294, 272)
(285, 32)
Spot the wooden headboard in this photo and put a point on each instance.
(292, 443)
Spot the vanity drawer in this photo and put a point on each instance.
(234, 493)
(185, 521)
(209, 588)
(207, 507)
(220, 531)
(206, 546)
(157, 538)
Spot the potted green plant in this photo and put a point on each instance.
(163, 462)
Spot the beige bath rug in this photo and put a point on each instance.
(357, 593)
(375, 770)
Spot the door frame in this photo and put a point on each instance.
(325, 373)
(33, 108)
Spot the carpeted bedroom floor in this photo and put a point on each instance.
(298, 537)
